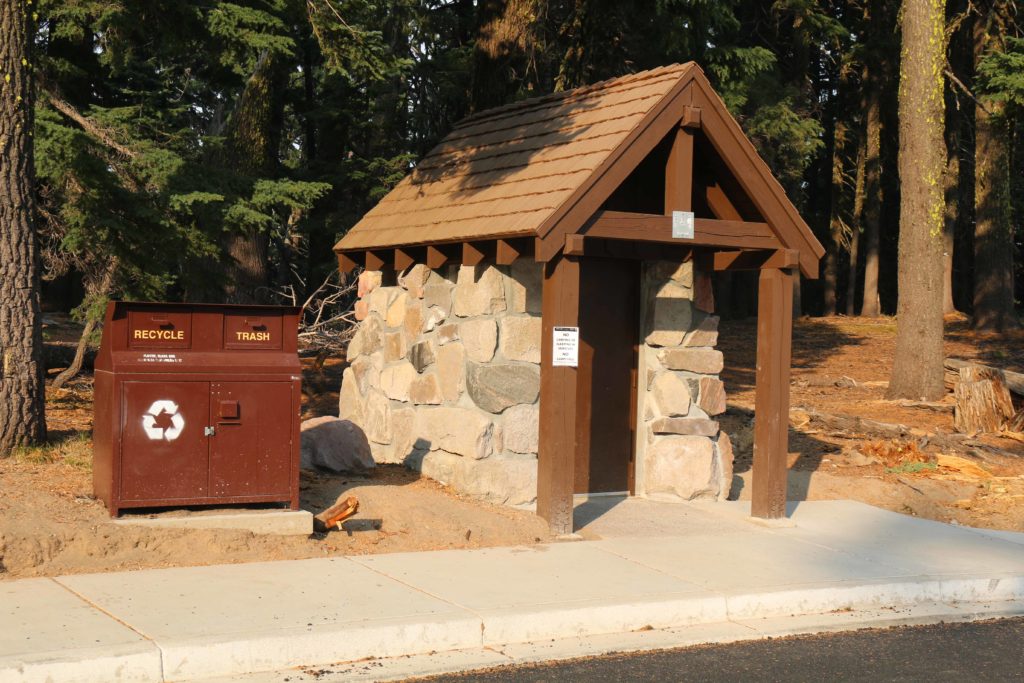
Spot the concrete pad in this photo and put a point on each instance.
(614, 517)
(221, 620)
(554, 591)
(752, 561)
(49, 634)
(272, 522)
(916, 545)
(1009, 536)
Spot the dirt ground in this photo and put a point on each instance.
(841, 366)
(50, 524)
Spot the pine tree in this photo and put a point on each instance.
(917, 371)
(22, 393)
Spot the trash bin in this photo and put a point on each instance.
(196, 404)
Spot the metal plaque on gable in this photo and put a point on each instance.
(682, 225)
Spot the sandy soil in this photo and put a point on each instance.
(895, 475)
(50, 524)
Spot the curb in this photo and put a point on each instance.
(249, 652)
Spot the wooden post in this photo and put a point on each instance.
(560, 305)
(771, 403)
(679, 173)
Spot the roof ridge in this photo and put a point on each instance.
(571, 94)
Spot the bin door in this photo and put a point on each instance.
(250, 452)
(164, 453)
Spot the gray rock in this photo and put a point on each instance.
(334, 444)
(497, 387)
(422, 355)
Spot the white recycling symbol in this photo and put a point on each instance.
(155, 432)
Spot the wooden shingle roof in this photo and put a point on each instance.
(502, 172)
(536, 167)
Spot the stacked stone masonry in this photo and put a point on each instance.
(681, 451)
(444, 376)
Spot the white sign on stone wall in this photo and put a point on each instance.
(566, 347)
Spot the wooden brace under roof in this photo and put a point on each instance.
(685, 106)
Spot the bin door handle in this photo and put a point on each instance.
(209, 431)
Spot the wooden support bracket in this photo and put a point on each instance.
(506, 252)
(472, 254)
(375, 260)
(346, 263)
(403, 259)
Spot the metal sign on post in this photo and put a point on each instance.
(682, 225)
(566, 347)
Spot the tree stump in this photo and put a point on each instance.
(983, 403)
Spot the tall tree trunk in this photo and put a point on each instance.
(22, 391)
(993, 231)
(872, 198)
(858, 221)
(251, 146)
(951, 191)
(917, 370)
(505, 33)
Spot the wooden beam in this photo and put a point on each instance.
(507, 252)
(707, 232)
(720, 204)
(560, 307)
(346, 263)
(754, 176)
(755, 260)
(574, 245)
(679, 172)
(691, 117)
(472, 254)
(375, 261)
(616, 167)
(403, 259)
(771, 401)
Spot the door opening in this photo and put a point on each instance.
(607, 387)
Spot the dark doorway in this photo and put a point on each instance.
(606, 401)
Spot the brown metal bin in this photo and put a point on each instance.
(197, 404)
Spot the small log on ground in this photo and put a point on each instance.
(983, 402)
(1014, 381)
(336, 514)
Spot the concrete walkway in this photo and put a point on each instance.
(658, 574)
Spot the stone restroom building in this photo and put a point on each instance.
(536, 311)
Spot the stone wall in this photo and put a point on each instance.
(681, 452)
(444, 376)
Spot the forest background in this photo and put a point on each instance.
(213, 150)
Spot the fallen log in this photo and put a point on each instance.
(853, 424)
(1014, 381)
(336, 514)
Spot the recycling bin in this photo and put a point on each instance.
(196, 404)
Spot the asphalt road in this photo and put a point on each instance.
(980, 651)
